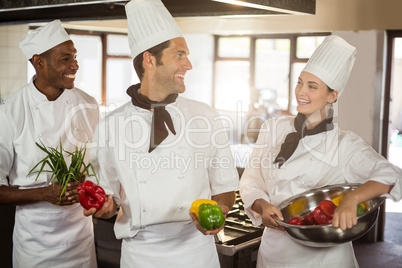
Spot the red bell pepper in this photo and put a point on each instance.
(309, 218)
(324, 212)
(296, 221)
(327, 207)
(91, 195)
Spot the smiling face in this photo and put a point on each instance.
(61, 66)
(312, 94)
(168, 77)
(57, 71)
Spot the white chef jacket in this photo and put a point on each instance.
(327, 158)
(157, 188)
(46, 235)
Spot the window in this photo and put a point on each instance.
(106, 68)
(260, 72)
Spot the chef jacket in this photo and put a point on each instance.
(327, 158)
(46, 234)
(159, 187)
(156, 189)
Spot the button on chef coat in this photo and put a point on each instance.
(327, 158)
(44, 231)
(149, 187)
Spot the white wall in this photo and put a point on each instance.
(359, 105)
(13, 64)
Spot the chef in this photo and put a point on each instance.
(49, 109)
(160, 152)
(296, 154)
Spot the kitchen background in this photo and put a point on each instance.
(245, 66)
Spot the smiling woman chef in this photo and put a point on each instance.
(46, 233)
(310, 151)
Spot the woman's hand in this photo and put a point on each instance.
(267, 217)
(345, 214)
(267, 211)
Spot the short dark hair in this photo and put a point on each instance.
(156, 51)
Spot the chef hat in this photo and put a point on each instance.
(43, 39)
(149, 24)
(332, 62)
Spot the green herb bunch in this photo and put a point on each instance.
(58, 166)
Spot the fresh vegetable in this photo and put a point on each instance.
(196, 204)
(327, 208)
(338, 200)
(360, 210)
(91, 195)
(57, 165)
(320, 217)
(297, 206)
(324, 212)
(210, 216)
(297, 221)
(309, 219)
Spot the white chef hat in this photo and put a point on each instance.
(332, 62)
(149, 24)
(44, 38)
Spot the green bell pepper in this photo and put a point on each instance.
(360, 210)
(210, 216)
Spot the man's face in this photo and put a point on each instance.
(61, 66)
(169, 76)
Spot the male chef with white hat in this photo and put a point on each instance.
(160, 152)
(49, 109)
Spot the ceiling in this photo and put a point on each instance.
(25, 11)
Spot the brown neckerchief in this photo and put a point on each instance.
(292, 139)
(160, 115)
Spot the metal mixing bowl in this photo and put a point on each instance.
(325, 235)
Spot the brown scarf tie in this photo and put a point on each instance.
(159, 118)
(292, 139)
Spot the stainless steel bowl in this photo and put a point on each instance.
(325, 235)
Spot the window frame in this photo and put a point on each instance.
(252, 60)
(105, 56)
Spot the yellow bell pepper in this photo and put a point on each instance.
(338, 200)
(195, 205)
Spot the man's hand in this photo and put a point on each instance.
(225, 211)
(107, 210)
(52, 194)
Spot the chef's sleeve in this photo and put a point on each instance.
(362, 163)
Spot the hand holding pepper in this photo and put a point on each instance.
(209, 216)
(107, 210)
(91, 195)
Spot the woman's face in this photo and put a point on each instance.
(312, 94)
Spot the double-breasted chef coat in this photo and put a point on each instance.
(46, 235)
(327, 158)
(155, 190)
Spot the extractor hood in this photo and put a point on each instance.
(25, 11)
